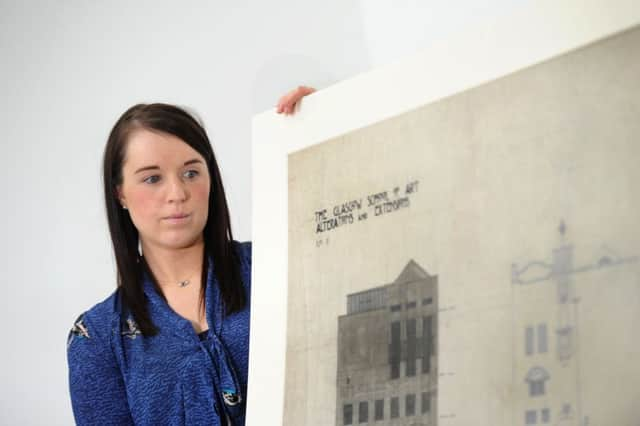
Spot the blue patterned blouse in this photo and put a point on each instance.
(118, 377)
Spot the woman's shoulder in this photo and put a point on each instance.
(244, 250)
(97, 322)
(242, 246)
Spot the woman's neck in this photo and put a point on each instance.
(173, 266)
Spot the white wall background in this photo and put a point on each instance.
(68, 69)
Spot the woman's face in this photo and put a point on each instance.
(165, 188)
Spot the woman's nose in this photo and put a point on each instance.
(177, 191)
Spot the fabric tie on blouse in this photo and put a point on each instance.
(211, 366)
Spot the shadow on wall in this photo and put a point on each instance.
(282, 73)
(364, 35)
(323, 46)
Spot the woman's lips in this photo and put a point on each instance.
(177, 218)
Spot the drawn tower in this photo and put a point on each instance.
(547, 375)
(387, 353)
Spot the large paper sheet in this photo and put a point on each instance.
(484, 254)
(475, 260)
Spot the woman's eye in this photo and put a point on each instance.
(152, 179)
(190, 174)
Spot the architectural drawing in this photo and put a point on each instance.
(549, 333)
(475, 261)
(387, 352)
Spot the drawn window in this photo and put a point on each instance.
(536, 377)
(536, 388)
(542, 338)
(379, 410)
(411, 348)
(366, 300)
(545, 415)
(395, 407)
(426, 402)
(531, 341)
(528, 341)
(531, 417)
(411, 305)
(427, 301)
(564, 343)
(410, 405)
(363, 412)
(563, 290)
(396, 308)
(394, 350)
(426, 344)
(347, 414)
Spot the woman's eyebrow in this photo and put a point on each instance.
(142, 169)
(186, 163)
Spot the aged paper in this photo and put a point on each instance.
(474, 261)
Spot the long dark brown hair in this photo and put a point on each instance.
(124, 235)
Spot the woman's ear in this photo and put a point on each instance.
(120, 196)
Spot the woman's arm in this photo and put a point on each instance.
(98, 395)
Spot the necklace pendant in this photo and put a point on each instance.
(184, 283)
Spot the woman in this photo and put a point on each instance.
(170, 345)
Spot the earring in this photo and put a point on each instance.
(124, 207)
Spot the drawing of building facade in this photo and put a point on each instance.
(387, 353)
(551, 370)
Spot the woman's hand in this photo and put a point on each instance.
(287, 104)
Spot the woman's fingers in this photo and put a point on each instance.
(287, 103)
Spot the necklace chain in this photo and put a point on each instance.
(181, 284)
